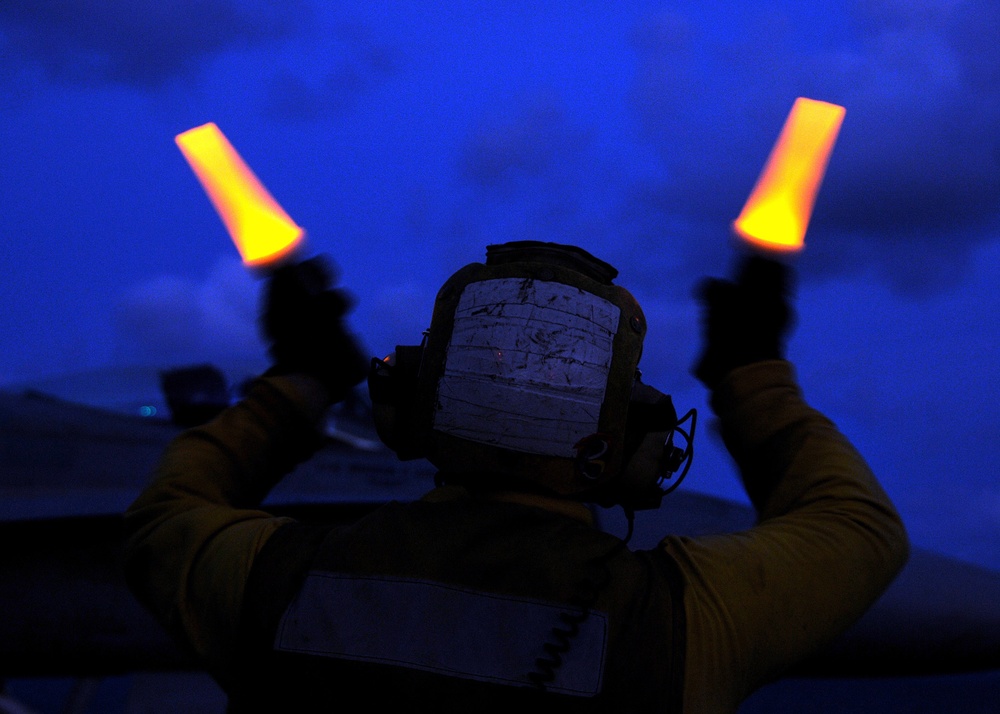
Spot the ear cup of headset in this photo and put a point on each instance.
(393, 388)
(648, 447)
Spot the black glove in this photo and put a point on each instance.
(745, 321)
(303, 322)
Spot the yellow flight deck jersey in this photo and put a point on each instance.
(485, 602)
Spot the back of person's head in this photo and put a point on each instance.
(528, 380)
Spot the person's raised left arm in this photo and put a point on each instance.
(192, 535)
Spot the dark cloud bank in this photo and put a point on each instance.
(913, 187)
(355, 62)
(140, 43)
(914, 182)
(912, 190)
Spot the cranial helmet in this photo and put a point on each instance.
(527, 378)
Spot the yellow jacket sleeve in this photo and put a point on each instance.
(192, 535)
(827, 543)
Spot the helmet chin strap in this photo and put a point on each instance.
(653, 457)
(675, 457)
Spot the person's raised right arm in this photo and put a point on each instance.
(828, 540)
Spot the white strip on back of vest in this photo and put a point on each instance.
(440, 628)
(527, 365)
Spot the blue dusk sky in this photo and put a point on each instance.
(406, 136)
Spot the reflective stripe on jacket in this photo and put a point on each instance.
(464, 600)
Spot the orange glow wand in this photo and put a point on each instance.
(777, 213)
(263, 233)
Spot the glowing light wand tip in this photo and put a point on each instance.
(776, 215)
(261, 230)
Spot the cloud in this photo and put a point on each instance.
(354, 61)
(913, 187)
(918, 160)
(170, 320)
(139, 43)
(537, 140)
(531, 172)
(922, 149)
(971, 32)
